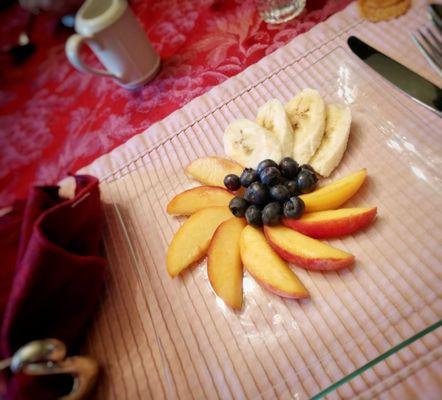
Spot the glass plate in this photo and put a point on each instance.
(159, 337)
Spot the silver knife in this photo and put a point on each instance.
(435, 11)
(420, 89)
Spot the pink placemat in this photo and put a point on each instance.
(159, 338)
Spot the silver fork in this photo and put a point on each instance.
(429, 43)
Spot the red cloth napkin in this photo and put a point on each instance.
(53, 272)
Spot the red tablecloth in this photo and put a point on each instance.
(54, 119)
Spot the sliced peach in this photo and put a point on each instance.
(192, 240)
(212, 170)
(304, 251)
(267, 267)
(193, 200)
(224, 266)
(332, 223)
(335, 194)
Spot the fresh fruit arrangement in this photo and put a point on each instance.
(283, 197)
(262, 208)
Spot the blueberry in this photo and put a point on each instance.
(253, 216)
(238, 206)
(288, 167)
(248, 176)
(265, 164)
(308, 167)
(232, 182)
(306, 181)
(270, 176)
(294, 208)
(292, 186)
(257, 194)
(271, 214)
(283, 180)
(279, 193)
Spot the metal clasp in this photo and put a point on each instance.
(48, 357)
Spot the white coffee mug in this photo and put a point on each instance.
(115, 36)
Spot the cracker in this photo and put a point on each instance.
(380, 3)
(383, 13)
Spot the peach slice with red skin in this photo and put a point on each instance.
(212, 170)
(306, 252)
(332, 223)
(224, 266)
(335, 194)
(195, 199)
(192, 240)
(268, 269)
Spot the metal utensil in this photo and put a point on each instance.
(418, 88)
(48, 357)
(429, 41)
(430, 46)
(435, 11)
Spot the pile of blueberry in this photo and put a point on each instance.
(272, 191)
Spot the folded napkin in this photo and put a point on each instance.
(53, 273)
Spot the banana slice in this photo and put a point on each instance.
(334, 142)
(306, 112)
(248, 143)
(273, 117)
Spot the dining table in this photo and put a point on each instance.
(375, 334)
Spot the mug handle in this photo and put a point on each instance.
(72, 49)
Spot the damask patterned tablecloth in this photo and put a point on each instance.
(54, 119)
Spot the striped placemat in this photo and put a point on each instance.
(163, 338)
